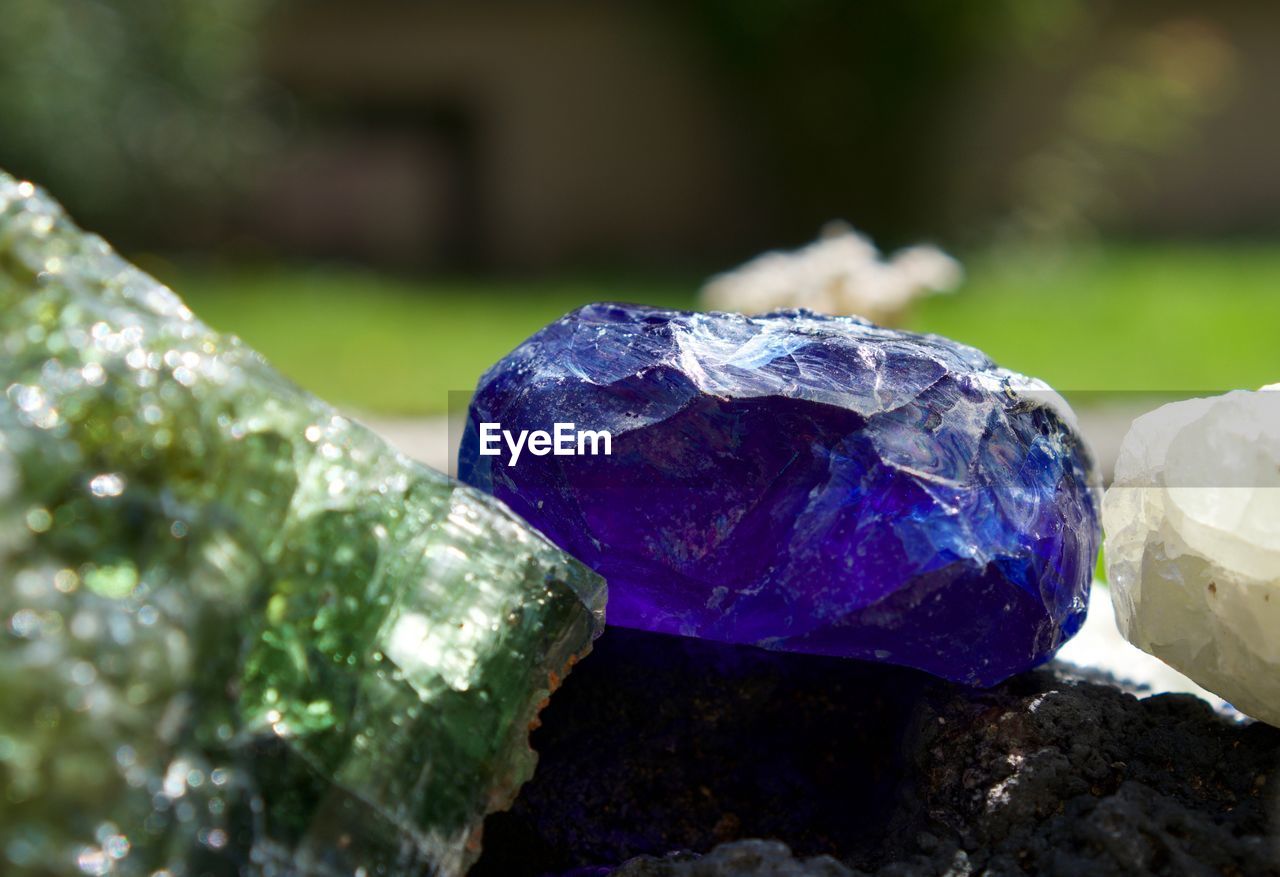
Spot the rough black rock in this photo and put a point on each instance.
(665, 748)
(743, 858)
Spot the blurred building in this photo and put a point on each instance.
(514, 134)
(564, 132)
(567, 134)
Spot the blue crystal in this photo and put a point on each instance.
(803, 482)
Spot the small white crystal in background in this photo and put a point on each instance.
(1192, 526)
(840, 273)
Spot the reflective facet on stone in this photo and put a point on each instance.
(803, 482)
(1193, 543)
(241, 635)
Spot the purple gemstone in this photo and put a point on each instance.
(801, 482)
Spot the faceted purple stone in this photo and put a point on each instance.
(803, 482)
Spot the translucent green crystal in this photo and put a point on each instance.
(241, 634)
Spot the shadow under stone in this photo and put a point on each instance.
(659, 743)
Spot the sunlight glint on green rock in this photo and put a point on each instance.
(242, 635)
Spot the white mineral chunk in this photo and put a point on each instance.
(1192, 527)
(1100, 646)
(840, 273)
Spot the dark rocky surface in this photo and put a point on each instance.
(658, 749)
(743, 858)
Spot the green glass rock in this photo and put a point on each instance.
(241, 635)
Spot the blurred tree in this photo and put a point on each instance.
(849, 97)
(855, 103)
(1146, 100)
(122, 106)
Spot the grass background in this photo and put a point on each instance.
(1130, 318)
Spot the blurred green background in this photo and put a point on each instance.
(386, 196)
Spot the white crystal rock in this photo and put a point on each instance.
(1192, 526)
(1099, 646)
(840, 273)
